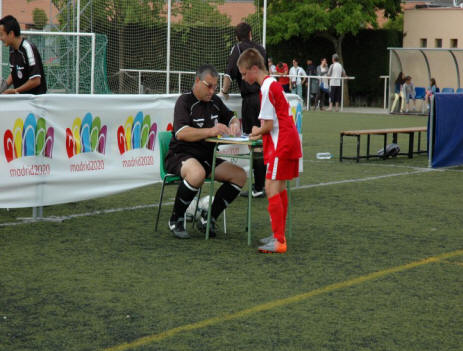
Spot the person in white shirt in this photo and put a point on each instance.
(297, 78)
(336, 71)
(271, 67)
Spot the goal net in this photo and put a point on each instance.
(69, 61)
(138, 53)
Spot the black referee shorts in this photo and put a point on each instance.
(174, 163)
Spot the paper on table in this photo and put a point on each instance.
(232, 138)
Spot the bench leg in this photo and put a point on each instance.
(340, 147)
(394, 138)
(419, 142)
(368, 146)
(411, 139)
(385, 144)
(358, 148)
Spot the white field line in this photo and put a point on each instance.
(366, 179)
(77, 215)
(132, 208)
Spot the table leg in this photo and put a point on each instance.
(289, 221)
(211, 191)
(251, 158)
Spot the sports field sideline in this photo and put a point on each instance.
(375, 263)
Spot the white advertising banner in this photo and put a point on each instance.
(67, 148)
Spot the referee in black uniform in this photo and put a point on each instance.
(198, 115)
(27, 74)
(250, 107)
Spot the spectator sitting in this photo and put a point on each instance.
(282, 70)
(408, 92)
(398, 90)
(430, 92)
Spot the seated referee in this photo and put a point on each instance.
(200, 114)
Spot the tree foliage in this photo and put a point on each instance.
(40, 18)
(202, 13)
(332, 19)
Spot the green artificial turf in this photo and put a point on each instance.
(98, 281)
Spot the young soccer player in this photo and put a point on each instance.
(282, 147)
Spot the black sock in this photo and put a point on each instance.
(224, 196)
(259, 169)
(185, 194)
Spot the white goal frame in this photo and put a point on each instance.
(74, 34)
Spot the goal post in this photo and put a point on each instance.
(36, 34)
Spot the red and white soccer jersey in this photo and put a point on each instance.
(283, 141)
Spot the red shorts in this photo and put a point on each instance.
(282, 169)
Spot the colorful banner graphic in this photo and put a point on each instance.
(66, 148)
(30, 137)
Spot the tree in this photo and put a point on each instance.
(203, 13)
(40, 18)
(329, 19)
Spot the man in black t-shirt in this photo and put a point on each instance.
(198, 115)
(250, 107)
(27, 74)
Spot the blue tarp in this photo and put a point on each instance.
(448, 130)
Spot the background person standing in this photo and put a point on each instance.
(250, 94)
(297, 78)
(27, 75)
(336, 71)
(282, 70)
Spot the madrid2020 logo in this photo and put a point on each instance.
(86, 135)
(30, 137)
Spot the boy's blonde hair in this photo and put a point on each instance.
(251, 57)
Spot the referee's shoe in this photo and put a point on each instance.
(202, 224)
(177, 227)
(256, 193)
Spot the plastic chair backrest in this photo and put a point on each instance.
(448, 90)
(460, 90)
(420, 93)
(164, 141)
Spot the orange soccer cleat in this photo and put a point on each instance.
(273, 246)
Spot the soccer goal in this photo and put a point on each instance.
(72, 61)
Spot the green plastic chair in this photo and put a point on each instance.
(169, 178)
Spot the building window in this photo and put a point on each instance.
(438, 43)
(423, 43)
(453, 43)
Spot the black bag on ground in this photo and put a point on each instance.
(391, 150)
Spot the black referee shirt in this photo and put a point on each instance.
(26, 63)
(191, 112)
(233, 71)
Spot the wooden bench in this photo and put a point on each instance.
(394, 131)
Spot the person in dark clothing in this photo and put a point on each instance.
(198, 115)
(250, 94)
(27, 75)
